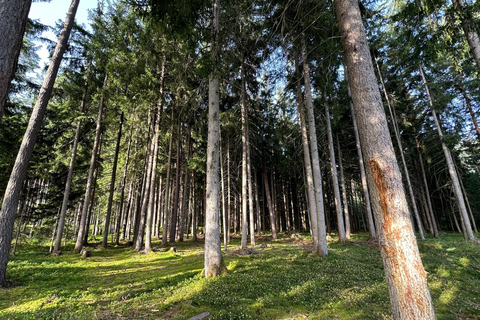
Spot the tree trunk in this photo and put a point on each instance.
(273, 224)
(405, 169)
(224, 200)
(185, 186)
(66, 194)
(468, 232)
(427, 191)
(310, 189)
(470, 30)
(363, 175)
(14, 186)
(317, 178)
(244, 158)
(112, 185)
(250, 193)
(176, 196)
(91, 171)
(406, 278)
(167, 186)
(214, 264)
(344, 192)
(13, 19)
(333, 169)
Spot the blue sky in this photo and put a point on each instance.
(50, 12)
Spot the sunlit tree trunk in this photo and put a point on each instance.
(243, 104)
(273, 224)
(185, 187)
(167, 186)
(13, 19)
(214, 264)
(406, 278)
(250, 193)
(178, 173)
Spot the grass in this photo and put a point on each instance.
(282, 281)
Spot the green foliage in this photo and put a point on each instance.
(281, 281)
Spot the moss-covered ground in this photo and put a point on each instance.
(281, 281)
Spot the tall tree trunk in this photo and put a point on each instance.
(427, 191)
(344, 191)
(66, 194)
(13, 19)
(112, 185)
(273, 224)
(185, 186)
(224, 200)
(363, 175)
(123, 214)
(406, 278)
(176, 196)
(333, 169)
(250, 193)
(321, 250)
(14, 186)
(468, 232)
(167, 186)
(469, 28)
(404, 163)
(91, 171)
(153, 167)
(214, 264)
(317, 178)
(243, 104)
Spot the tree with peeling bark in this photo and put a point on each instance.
(406, 278)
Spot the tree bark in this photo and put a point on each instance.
(13, 19)
(406, 278)
(167, 186)
(344, 192)
(112, 185)
(91, 171)
(363, 175)
(333, 169)
(310, 188)
(176, 196)
(68, 184)
(14, 186)
(470, 30)
(243, 103)
(214, 264)
(273, 224)
(317, 178)
(467, 231)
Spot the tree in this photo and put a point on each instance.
(12, 193)
(406, 278)
(214, 265)
(13, 19)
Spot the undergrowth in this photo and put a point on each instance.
(281, 281)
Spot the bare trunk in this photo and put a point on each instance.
(244, 159)
(14, 186)
(91, 171)
(250, 193)
(185, 188)
(112, 185)
(333, 169)
(13, 19)
(214, 264)
(68, 184)
(317, 178)
(273, 224)
(344, 192)
(310, 189)
(405, 169)
(363, 176)
(173, 222)
(468, 232)
(406, 278)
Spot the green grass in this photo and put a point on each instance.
(279, 282)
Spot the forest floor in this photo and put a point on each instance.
(277, 280)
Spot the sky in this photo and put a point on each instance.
(50, 12)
